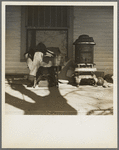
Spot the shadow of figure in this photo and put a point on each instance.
(52, 104)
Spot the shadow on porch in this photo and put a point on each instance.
(52, 104)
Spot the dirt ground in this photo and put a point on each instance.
(65, 100)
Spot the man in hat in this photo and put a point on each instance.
(34, 59)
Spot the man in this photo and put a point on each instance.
(34, 59)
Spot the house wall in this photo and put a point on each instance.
(97, 22)
(13, 41)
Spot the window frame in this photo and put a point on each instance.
(24, 29)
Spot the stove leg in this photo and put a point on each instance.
(78, 80)
(95, 79)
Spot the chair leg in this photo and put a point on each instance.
(36, 80)
(34, 85)
(57, 78)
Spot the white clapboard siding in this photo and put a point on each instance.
(14, 70)
(103, 59)
(23, 64)
(13, 41)
(97, 22)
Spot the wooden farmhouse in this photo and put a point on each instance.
(57, 26)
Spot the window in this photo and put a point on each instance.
(47, 16)
(48, 24)
(51, 38)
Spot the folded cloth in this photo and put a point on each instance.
(35, 64)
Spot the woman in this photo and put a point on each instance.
(34, 59)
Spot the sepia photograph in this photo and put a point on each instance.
(59, 59)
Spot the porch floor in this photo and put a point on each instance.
(65, 100)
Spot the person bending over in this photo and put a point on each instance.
(34, 59)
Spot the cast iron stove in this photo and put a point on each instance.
(84, 47)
